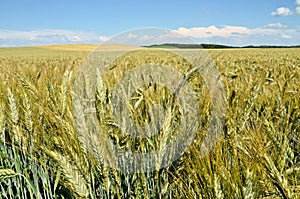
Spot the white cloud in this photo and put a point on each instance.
(44, 37)
(275, 25)
(132, 36)
(298, 10)
(104, 38)
(282, 11)
(213, 31)
(224, 31)
(149, 36)
(286, 36)
(146, 37)
(272, 34)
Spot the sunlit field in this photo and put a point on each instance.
(43, 156)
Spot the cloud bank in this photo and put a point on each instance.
(46, 37)
(270, 34)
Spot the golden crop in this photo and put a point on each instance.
(43, 156)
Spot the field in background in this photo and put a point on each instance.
(258, 156)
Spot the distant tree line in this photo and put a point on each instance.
(211, 46)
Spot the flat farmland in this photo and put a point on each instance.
(42, 155)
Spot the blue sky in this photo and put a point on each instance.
(232, 22)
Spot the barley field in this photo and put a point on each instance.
(42, 155)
